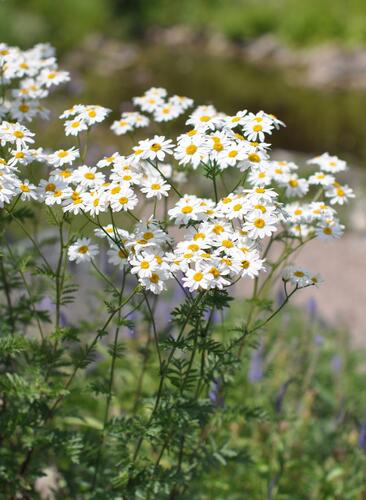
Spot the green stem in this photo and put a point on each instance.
(110, 389)
(165, 370)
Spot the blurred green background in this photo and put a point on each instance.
(296, 21)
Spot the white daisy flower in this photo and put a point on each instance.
(82, 251)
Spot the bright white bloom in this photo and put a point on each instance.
(329, 229)
(118, 257)
(156, 283)
(192, 150)
(296, 186)
(339, 194)
(75, 126)
(329, 163)
(196, 279)
(156, 148)
(297, 276)
(63, 157)
(155, 187)
(82, 250)
(125, 199)
(260, 225)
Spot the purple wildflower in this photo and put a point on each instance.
(312, 309)
(216, 393)
(362, 437)
(255, 372)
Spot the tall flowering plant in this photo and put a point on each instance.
(160, 248)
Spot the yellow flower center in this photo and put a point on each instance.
(83, 249)
(154, 278)
(197, 276)
(65, 173)
(89, 176)
(227, 244)
(245, 264)
(262, 208)
(293, 183)
(194, 247)
(257, 128)
(155, 187)
(50, 187)
(253, 157)
(233, 153)
(144, 264)
(24, 188)
(23, 108)
(299, 274)
(155, 147)
(259, 223)
(217, 229)
(123, 200)
(215, 272)
(226, 261)
(191, 149)
(187, 209)
(18, 134)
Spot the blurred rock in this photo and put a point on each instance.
(335, 66)
(47, 485)
(173, 36)
(268, 49)
(106, 55)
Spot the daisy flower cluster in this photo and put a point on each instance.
(202, 243)
(26, 78)
(155, 103)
